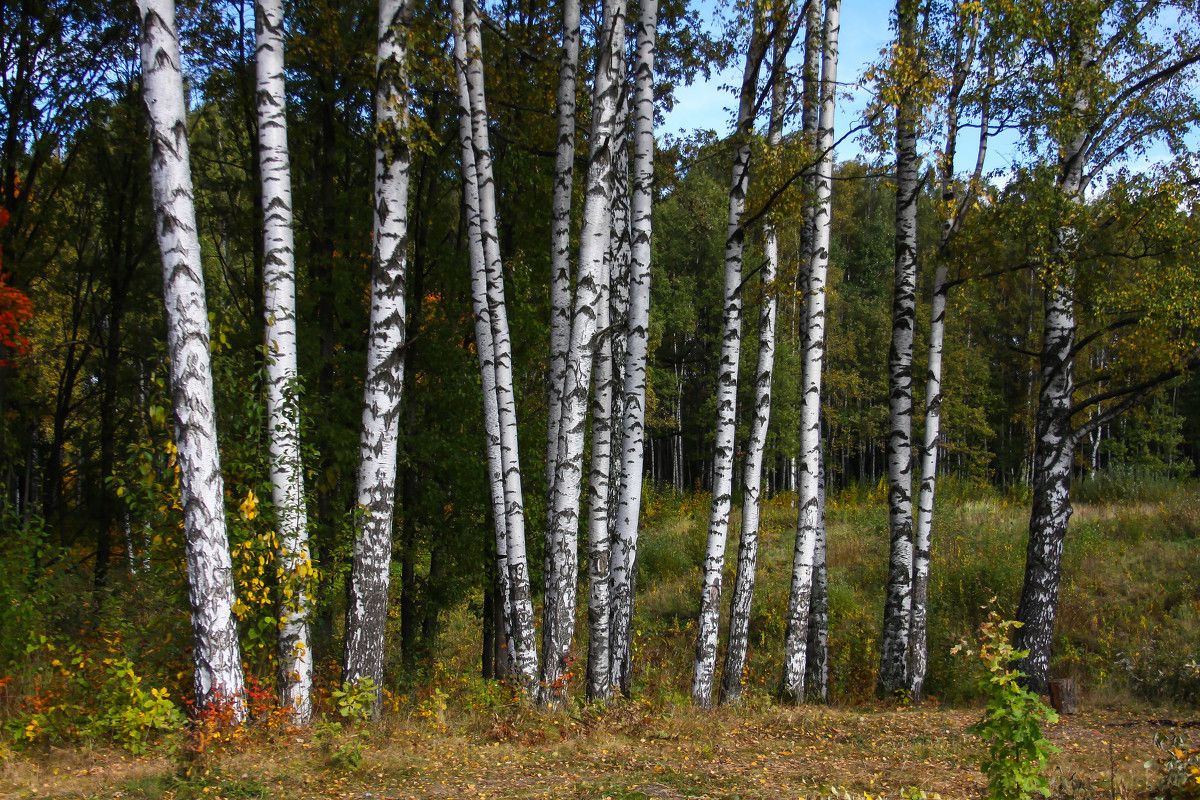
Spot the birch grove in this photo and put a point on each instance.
(217, 680)
(366, 615)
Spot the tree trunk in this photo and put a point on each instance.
(560, 244)
(218, 676)
(366, 616)
(809, 519)
(599, 684)
(482, 312)
(283, 418)
(633, 437)
(897, 610)
(707, 628)
(743, 588)
(817, 666)
(558, 627)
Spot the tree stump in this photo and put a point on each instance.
(1063, 697)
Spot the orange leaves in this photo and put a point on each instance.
(15, 308)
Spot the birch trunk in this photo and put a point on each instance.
(817, 666)
(217, 680)
(483, 330)
(279, 307)
(707, 628)
(560, 245)
(923, 529)
(1055, 440)
(633, 424)
(618, 260)
(743, 588)
(599, 684)
(558, 626)
(897, 610)
(524, 654)
(809, 519)
(366, 615)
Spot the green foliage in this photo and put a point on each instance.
(1011, 728)
(1179, 774)
(129, 714)
(356, 701)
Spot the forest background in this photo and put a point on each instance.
(94, 592)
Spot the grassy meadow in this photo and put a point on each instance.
(1128, 633)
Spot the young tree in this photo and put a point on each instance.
(218, 676)
(707, 629)
(279, 305)
(633, 423)
(743, 589)
(907, 60)
(809, 518)
(366, 616)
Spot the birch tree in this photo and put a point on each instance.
(524, 654)
(483, 326)
(743, 589)
(1100, 91)
(967, 39)
(707, 628)
(558, 626)
(217, 680)
(366, 615)
(809, 518)
(279, 306)
(560, 245)
(893, 661)
(633, 421)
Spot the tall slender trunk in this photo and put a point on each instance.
(707, 629)
(558, 627)
(560, 245)
(482, 315)
(524, 655)
(956, 209)
(817, 667)
(366, 615)
(743, 588)
(218, 675)
(1055, 440)
(283, 418)
(599, 684)
(897, 610)
(633, 424)
(810, 517)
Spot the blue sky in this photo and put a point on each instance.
(865, 29)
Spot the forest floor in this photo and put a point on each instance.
(627, 751)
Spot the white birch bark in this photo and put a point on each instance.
(279, 307)
(897, 609)
(618, 265)
(743, 588)
(483, 332)
(817, 666)
(366, 615)
(633, 425)
(218, 676)
(708, 625)
(560, 243)
(524, 654)
(809, 519)
(599, 684)
(558, 627)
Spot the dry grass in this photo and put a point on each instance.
(627, 751)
